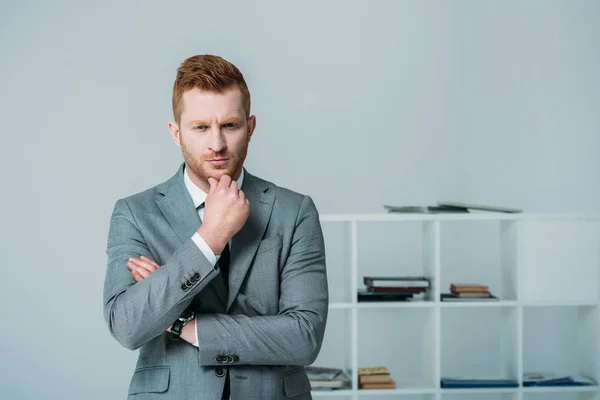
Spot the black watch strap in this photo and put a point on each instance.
(184, 318)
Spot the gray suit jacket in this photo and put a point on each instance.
(264, 330)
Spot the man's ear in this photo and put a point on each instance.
(175, 134)
(251, 125)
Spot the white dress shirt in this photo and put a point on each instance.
(198, 197)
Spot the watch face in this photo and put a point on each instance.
(187, 315)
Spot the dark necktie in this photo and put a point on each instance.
(224, 264)
(224, 267)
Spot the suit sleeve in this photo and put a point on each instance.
(295, 335)
(138, 312)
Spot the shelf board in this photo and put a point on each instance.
(472, 216)
(417, 217)
(425, 390)
(559, 303)
(383, 392)
(372, 392)
(331, 393)
(480, 390)
(395, 304)
(555, 389)
(478, 304)
(382, 304)
(456, 304)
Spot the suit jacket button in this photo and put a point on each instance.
(229, 359)
(219, 372)
(193, 280)
(197, 276)
(218, 359)
(236, 358)
(184, 287)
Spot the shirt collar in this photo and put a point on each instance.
(198, 195)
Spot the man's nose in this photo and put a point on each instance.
(217, 140)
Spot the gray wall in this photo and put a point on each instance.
(358, 104)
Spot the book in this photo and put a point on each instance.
(425, 209)
(329, 385)
(457, 383)
(472, 295)
(399, 289)
(468, 287)
(387, 385)
(364, 295)
(551, 379)
(322, 378)
(395, 281)
(379, 378)
(481, 207)
(373, 370)
(322, 373)
(451, 297)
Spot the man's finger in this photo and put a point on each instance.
(143, 264)
(150, 261)
(135, 264)
(225, 181)
(136, 276)
(241, 196)
(142, 272)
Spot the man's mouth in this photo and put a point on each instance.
(218, 162)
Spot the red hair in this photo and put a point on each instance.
(208, 73)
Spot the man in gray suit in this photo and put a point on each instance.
(217, 276)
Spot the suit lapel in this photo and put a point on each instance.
(245, 243)
(178, 208)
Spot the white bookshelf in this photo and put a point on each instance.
(544, 268)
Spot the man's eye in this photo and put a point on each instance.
(230, 125)
(200, 127)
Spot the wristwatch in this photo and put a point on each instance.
(184, 318)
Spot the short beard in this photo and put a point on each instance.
(196, 165)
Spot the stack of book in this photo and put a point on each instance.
(425, 209)
(323, 378)
(450, 207)
(468, 292)
(392, 288)
(375, 378)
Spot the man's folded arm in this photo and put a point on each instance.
(138, 312)
(295, 335)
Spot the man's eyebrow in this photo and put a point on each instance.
(226, 120)
(232, 118)
(198, 122)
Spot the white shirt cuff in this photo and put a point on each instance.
(196, 333)
(205, 249)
